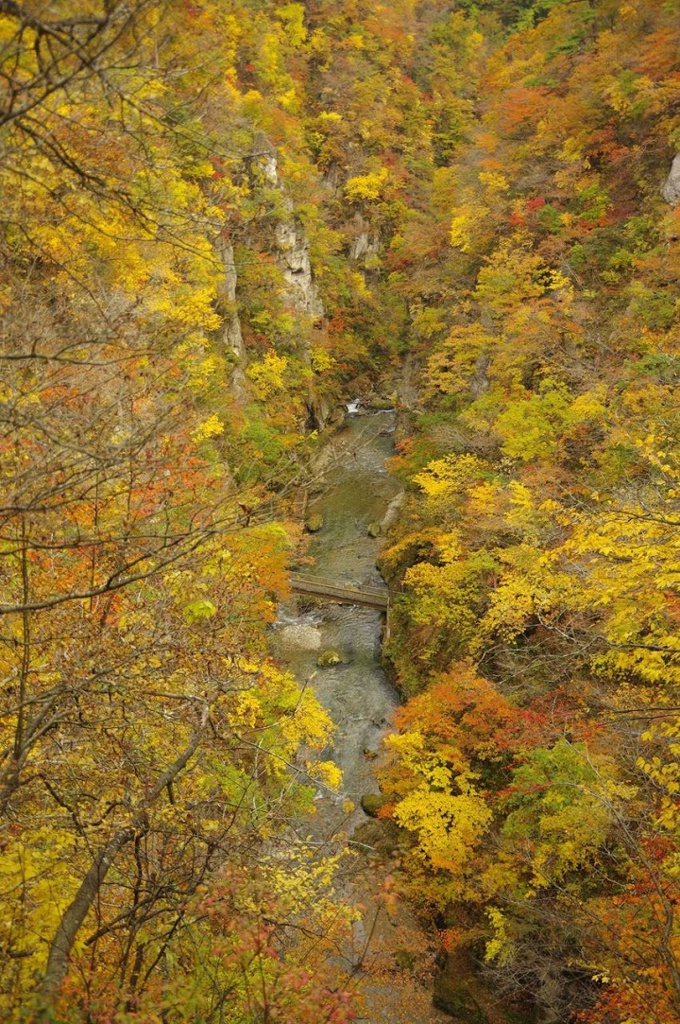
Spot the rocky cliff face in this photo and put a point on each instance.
(292, 257)
(671, 189)
(233, 337)
(301, 292)
(365, 243)
(293, 250)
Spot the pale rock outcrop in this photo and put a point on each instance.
(269, 167)
(293, 248)
(320, 411)
(292, 256)
(264, 156)
(671, 189)
(291, 243)
(233, 338)
(364, 244)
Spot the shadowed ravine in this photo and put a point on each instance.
(357, 491)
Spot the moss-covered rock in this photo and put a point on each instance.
(373, 530)
(372, 803)
(405, 959)
(379, 403)
(314, 523)
(329, 658)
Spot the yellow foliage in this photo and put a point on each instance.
(326, 772)
(212, 427)
(494, 181)
(368, 187)
(460, 233)
(293, 18)
(268, 375)
(321, 360)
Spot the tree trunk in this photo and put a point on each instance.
(74, 915)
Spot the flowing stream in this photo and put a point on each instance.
(356, 491)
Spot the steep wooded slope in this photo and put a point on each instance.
(538, 574)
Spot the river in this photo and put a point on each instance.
(355, 490)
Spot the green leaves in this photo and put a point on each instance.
(199, 611)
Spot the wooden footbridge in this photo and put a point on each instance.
(314, 586)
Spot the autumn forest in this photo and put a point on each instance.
(223, 222)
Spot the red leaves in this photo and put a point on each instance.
(470, 713)
(535, 204)
(521, 107)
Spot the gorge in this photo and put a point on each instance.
(387, 295)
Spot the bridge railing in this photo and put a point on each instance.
(377, 596)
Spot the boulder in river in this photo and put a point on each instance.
(329, 658)
(373, 530)
(379, 403)
(300, 635)
(392, 513)
(314, 523)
